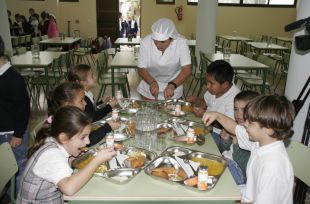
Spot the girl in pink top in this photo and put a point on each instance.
(52, 30)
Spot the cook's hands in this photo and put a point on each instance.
(209, 117)
(15, 142)
(114, 124)
(105, 155)
(169, 91)
(154, 89)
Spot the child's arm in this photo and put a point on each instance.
(70, 185)
(229, 124)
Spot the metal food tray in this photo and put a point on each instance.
(204, 128)
(120, 176)
(122, 169)
(185, 153)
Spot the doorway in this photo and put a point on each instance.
(129, 18)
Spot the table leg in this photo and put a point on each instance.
(264, 81)
(113, 89)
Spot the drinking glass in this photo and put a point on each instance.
(124, 103)
(226, 53)
(136, 52)
(35, 51)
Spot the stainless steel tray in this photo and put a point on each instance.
(124, 169)
(120, 176)
(216, 164)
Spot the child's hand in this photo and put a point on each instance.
(113, 102)
(198, 111)
(209, 117)
(191, 99)
(225, 135)
(114, 124)
(105, 155)
(106, 99)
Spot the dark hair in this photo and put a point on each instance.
(246, 96)
(69, 120)
(274, 112)
(2, 47)
(221, 70)
(78, 72)
(64, 92)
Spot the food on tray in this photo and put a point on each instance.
(163, 130)
(200, 131)
(169, 173)
(95, 126)
(118, 146)
(187, 108)
(191, 181)
(101, 168)
(135, 105)
(136, 159)
(215, 168)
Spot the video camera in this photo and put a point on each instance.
(302, 42)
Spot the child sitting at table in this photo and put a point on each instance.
(219, 96)
(48, 174)
(236, 157)
(72, 93)
(84, 75)
(268, 120)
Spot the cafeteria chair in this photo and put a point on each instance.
(8, 169)
(36, 40)
(284, 69)
(84, 50)
(193, 73)
(44, 37)
(299, 155)
(28, 41)
(22, 40)
(105, 78)
(21, 50)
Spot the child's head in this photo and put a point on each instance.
(275, 114)
(70, 128)
(219, 77)
(83, 74)
(67, 93)
(240, 101)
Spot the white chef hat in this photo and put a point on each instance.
(50, 14)
(163, 29)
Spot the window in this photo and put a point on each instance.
(256, 3)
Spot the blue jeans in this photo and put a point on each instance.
(236, 172)
(20, 153)
(216, 138)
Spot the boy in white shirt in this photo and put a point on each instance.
(269, 119)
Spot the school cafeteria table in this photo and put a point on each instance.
(265, 47)
(144, 189)
(238, 61)
(284, 39)
(236, 39)
(26, 61)
(124, 41)
(68, 41)
(122, 60)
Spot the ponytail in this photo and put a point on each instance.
(43, 133)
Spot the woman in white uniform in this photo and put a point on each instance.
(164, 62)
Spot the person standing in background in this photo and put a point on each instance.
(14, 111)
(133, 26)
(43, 25)
(52, 30)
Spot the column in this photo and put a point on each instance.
(206, 26)
(298, 73)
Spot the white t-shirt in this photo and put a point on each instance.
(270, 176)
(53, 164)
(223, 104)
(163, 67)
